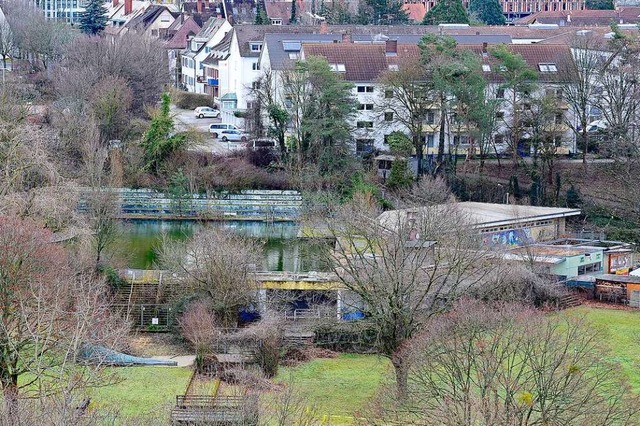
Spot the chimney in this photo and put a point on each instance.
(484, 48)
(115, 3)
(324, 27)
(128, 6)
(199, 6)
(391, 47)
(346, 37)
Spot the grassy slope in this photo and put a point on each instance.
(339, 386)
(622, 330)
(143, 390)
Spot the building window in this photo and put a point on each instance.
(294, 55)
(500, 114)
(337, 67)
(547, 67)
(388, 116)
(431, 117)
(388, 94)
(364, 124)
(461, 140)
(364, 146)
(500, 94)
(430, 140)
(365, 89)
(256, 85)
(256, 47)
(498, 139)
(559, 118)
(255, 66)
(276, 22)
(365, 107)
(393, 67)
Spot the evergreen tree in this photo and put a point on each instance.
(261, 15)
(294, 13)
(600, 4)
(487, 11)
(447, 12)
(94, 19)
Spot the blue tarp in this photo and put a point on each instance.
(100, 355)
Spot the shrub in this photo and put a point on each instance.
(186, 100)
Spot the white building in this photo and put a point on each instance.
(199, 49)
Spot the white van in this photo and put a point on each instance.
(215, 129)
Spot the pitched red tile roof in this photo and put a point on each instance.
(282, 9)
(179, 39)
(363, 62)
(367, 62)
(534, 55)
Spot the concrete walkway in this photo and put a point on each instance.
(182, 360)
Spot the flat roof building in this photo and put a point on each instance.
(501, 224)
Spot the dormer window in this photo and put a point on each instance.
(548, 67)
(256, 47)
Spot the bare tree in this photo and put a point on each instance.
(620, 97)
(509, 365)
(101, 210)
(198, 325)
(217, 264)
(48, 312)
(580, 89)
(6, 42)
(24, 157)
(39, 40)
(139, 61)
(404, 267)
(111, 104)
(409, 98)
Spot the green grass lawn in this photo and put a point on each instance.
(143, 390)
(339, 386)
(622, 332)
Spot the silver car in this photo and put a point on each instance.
(232, 135)
(206, 112)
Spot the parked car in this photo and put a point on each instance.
(233, 135)
(217, 128)
(206, 112)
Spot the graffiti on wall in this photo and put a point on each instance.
(511, 237)
(619, 263)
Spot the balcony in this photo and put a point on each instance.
(212, 81)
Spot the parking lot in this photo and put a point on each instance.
(185, 119)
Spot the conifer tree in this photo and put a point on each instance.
(94, 19)
(487, 11)
(294, 14)
(447, 12)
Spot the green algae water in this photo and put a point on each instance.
(140, 240)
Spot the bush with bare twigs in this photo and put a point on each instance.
(505, 364)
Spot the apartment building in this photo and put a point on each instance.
(63, 10)
(364, 64)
